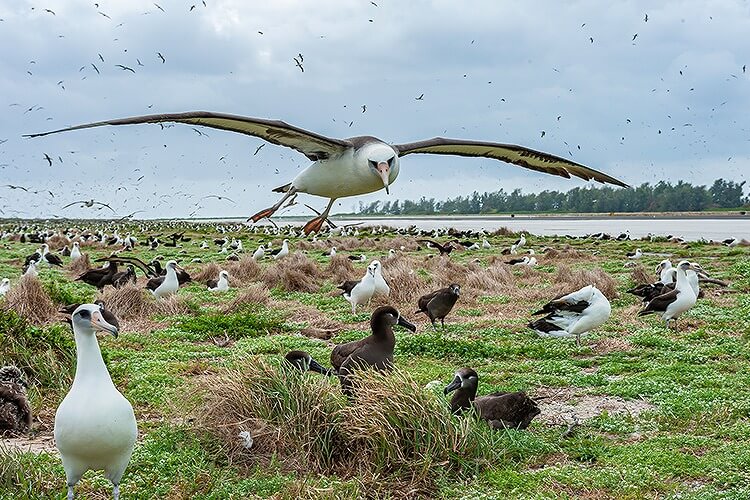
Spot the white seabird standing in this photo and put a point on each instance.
(259, 253)
(95, 426)
(359, 292)
(75, 253)
(573, 314)
(170, 284)
(358, 165)
(283, 251)
(381, 286)
(677, 301)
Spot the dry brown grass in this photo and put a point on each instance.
(57, 241)
(294, 273)
(393, 430)
(132, 302)
(256, 293)
(340, 268)
(569, 280)
(245, 271)
(28, 299)
(406, 284)
(494, 279)
(208, 272)
(640, 276)
(80, 265)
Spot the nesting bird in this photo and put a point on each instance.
(438, 304)
(259, 253)
(359, 292)
(501, 410)
(166, 285)
(303, 362)
(635, 255)
(574, 314)
(95, 426)
(4, 286)
(15, 411)
(221, 284)
(375, 351)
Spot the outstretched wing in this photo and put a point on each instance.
(310, 144)
(147, 270)
(517, 155)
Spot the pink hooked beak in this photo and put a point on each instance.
(385, 172)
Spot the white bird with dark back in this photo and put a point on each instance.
(573, 314)
(673, 303)
(170, 284)
(359, 292)
(358, 165)
(95, 426)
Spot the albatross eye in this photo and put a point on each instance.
(85, 314)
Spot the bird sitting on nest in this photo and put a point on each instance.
(15, 411)
(221, 284)
(374, 351)
(95, 426)
(574, 314)
(303, 362)
(501, 410)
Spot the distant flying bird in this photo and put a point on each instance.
(420, 98)
(95, 68)
(17, 187)
(159, 7)
(218, 197)
(299, 64)
(49, 160)
(89, 204)
(350, 167)
(101, 57)
(645, 18)
(50, 11)
(259, 148)
(301, 59)
(635, 36)
(364, 108)
(159, 54)
(125, 68)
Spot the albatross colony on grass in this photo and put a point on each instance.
(358, 165)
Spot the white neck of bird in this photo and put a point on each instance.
(89, 362)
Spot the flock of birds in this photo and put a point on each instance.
(95, 426)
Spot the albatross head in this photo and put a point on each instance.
(465, 377)
(383, 162)
(89, 318)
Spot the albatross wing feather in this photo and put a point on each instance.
(517, 155)
(310, 144)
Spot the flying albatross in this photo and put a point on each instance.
(358, 165)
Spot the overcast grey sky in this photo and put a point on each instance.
(670, 103)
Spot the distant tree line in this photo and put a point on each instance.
(660, 197)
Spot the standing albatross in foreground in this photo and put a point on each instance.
(358, 165)
(95, 426)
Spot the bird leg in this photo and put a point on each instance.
(272, 210)
(317, 223)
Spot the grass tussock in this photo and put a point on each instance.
(293, 273)
(208, 272)
(132, 302)
(340, 268)
(569, 280)
(57, 241)
(406, 284)
(394, 430)
(640, 276)
(567, 252)
(80, 265)
(244, 271)
(494, 279)
(29, 300)
(45, 355)
(256, 293)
